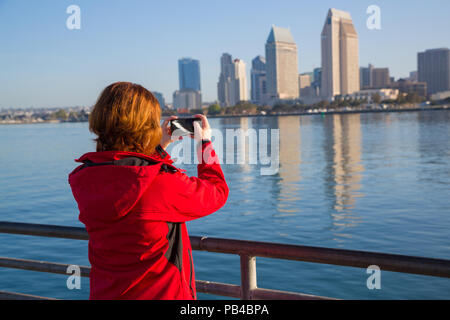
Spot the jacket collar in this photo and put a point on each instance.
(160, 155)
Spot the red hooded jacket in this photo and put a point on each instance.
(134, 208)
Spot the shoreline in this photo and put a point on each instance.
(318, 113)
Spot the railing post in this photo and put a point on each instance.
(248, 276)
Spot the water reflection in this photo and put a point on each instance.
(290, 159)
(343, 173)
(434, 147)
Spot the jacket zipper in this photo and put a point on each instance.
(190, 276)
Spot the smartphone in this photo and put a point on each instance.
(184, 126)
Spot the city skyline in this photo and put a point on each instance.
(59, 67)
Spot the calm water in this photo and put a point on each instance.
(375, 182)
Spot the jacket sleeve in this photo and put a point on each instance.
(187, 198)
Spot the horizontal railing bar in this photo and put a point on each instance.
(44, 230)
(6, 295)
(41, 266)
(269, 294)
(341, 257)
(208, 287)
(217, 288)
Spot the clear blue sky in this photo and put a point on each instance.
(43, 64)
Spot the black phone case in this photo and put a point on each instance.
(185, 125)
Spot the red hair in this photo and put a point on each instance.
(126, 117)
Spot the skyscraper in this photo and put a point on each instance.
(365, 77)
(317, 83)
(374, 78)
(281, 65)
(259, 81)
(159, 96)
(187, 99)
(340, 55)
(226, 65)
(304, 81)
(434, 69)
(239, 81)
(232, 85)
(189, 74)
(380, 78)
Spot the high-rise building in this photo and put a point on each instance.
(340, 55)
(365, 77)
(226, 66)
(232, 85)
(187, 99)
(434, 69)
(408, 87)
(380, 78)
(259, 81)
(189, 74)
(304, 81)
(281, 65)
(159, 96)
(239, 80)
(317, 83)
(374, 78)
(414, 76)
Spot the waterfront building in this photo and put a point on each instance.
(414, 76)
(281, 65)
(434, 69)
(385, 94)
(189, 74)
(232, 85)
(374, 78)
(407, 86)
(340, 55)
(304, 80)
(159, 96)
(187, 99)
(380, 78)
(440, 95)
(365, 76)
(259, 81)
(317, 83)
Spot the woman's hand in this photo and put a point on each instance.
(166, 138)
(203, 132)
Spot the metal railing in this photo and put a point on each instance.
(247, 250)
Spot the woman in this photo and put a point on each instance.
(134, 202)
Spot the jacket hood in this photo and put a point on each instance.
(109, 184)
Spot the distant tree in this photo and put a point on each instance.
(323, 104)
(169, 112)
(73, 116)
(61, 115)
(413, 97)
(196, 111)
(214, 109)
(356, 102)
(401, 99)
(83, 116)
(376, 98)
